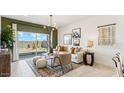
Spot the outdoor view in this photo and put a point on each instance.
(32, 44)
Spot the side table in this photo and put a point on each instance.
(85, 58)
(51, 58)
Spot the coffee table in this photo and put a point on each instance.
(50, 59)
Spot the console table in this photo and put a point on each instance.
(5, 64)
(85, 58)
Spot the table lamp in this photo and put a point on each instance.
(89, 44)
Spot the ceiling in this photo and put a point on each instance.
(60, 20)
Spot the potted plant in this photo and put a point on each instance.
(7, 38)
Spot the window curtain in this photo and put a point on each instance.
(15, 44)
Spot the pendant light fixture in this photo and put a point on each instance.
(53, 27)
(51, 33)
(51, 23)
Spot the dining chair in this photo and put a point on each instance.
(119, 64)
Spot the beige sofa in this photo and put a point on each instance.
(76, 53)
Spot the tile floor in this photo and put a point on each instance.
(21, 69)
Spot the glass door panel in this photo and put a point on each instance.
(27, 44)
(32, 44)
(42, 43)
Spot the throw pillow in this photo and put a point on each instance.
(79, 49)
(66, 49)
(72, 50)
(61, 48)
(76, 50)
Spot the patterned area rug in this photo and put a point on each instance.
(50, 72)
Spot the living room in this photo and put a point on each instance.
(90, 32)
(79, 32)
(61, 46)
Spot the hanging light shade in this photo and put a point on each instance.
(51, 23)
(44, 27)
(51, 20)
(52, 28)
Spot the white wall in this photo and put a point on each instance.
(103, 54)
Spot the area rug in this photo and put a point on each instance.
(50, 72)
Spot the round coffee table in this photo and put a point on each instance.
(51, 58)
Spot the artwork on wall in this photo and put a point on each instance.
(76, 33)
(76, 42)
(68, 39)
(106, 34)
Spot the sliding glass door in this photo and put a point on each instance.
(42, 43)
(32, 44)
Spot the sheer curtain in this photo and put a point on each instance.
(15, 44)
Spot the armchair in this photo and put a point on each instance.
(63, 59)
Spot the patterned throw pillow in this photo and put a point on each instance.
(79, 49)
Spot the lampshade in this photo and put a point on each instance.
(89, 43)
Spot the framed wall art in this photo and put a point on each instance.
(76, 42)
(76, 33)
(67, 39)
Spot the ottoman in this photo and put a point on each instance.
(41, 63)
(36, 58)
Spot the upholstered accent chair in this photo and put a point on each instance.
(63, 59)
